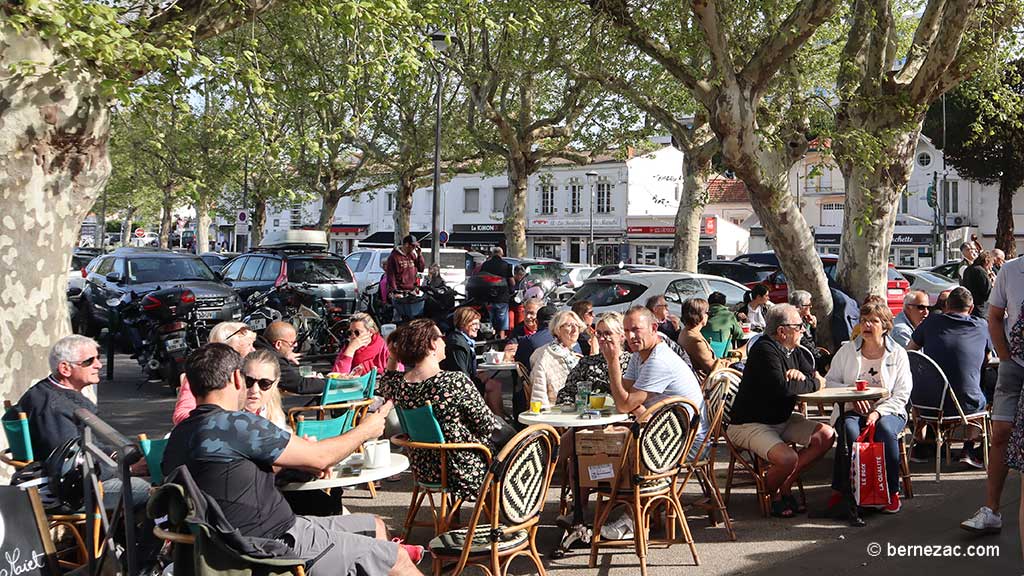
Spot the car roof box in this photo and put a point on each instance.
(295, 239)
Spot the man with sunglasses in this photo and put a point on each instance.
(763, 420)
(280, 338)
(915, 310)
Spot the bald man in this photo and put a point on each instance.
(280, 338)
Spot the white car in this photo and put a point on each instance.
(931, 283)
(575, 274)
(620, 292)
(367, 265)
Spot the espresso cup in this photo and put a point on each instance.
(862, 385)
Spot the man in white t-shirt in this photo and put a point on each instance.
(1004, 313)
(654, 372)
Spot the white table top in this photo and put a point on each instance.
(843, 394)
(399, 463)
(560, 419)
(502, 366)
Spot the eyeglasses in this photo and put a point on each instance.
(243, 331)
(799, 327)
(291, 343)
(85, 363)
(919, 306)
(354, 333)
(265, 383)
(588, 313)
(605, 334)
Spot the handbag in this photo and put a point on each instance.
(867, 470)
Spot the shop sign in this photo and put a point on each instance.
(489, 227)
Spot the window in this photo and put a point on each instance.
(904, 202)
(924, 159)
(686, 288)
(546, 251)
(609, 293)
(951, 195)
(500, 196)
(391, 201)
(270, 271)
(318, 270)
(832, 214)
(232, 270)
(105, 266)
(252, 269)
(575, 196)
(547, 199)
(295, 216)
(357, 262)
(472, 200)
(277, 222)
(733, 293)
(604, 197)
(147, 270)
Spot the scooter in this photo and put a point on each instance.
(162, 331)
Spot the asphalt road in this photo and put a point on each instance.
(764, 547)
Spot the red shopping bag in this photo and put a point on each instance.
(867, 470)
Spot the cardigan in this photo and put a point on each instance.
(896, 376)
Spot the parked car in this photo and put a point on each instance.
(612, 269)
(931, 283)
(745, 273)
(619, 292)
(573, 275)
(367, 265)
(778, 286)
(80, 259)
(298, 261)
(215, 261)
(127, 274)
(950, 270)
(540, 269)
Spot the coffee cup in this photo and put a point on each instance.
(597, 401)
(493, 356)
(377, 454)
(746, 327)
(862, 385)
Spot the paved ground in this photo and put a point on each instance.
(763, 547)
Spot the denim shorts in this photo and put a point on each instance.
(499, 316)
(1008, 387)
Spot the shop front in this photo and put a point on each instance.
(566, 239)
(344, 238)
(908, 249)
(651, 243)
(477, 237)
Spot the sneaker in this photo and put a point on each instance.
(921, 453)
(621, 529)
(984, 521)
(894, 505)
(973, 458)
(415, 552)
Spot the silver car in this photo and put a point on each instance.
(929, 282)
(619, 292)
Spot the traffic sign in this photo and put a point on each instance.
(443, 236)
(139, 232)
(243, 216)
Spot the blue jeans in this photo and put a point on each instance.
(404, 311)
(848, 427)
(499, 316)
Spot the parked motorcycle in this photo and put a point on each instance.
(260, 309)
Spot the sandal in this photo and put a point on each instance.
(781, 508)
(795, 504)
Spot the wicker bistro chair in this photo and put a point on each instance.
(512, 494)
(646, 478)
(930, 401)
(422, 432)
(719, 391)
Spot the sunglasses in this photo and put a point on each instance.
(87, 362)
(354, 333)
(800, 327)
(264, 383)
(919, 306)
(243, 331)
(291, 344)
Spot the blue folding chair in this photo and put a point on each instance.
(422, 432)
(153, 451)
(338, 390)
(19, 452)
(323, 429)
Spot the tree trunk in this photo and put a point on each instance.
(515, 214)
(53, 164)
(692, 201)
(1005, 239)
(202, 227)
(327, 209)
(869, 216)
(165, 215)
(403, 206)
(126, 226)
(258, 221)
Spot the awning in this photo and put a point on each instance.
(348, 228)
(478, 241)
(386, 239)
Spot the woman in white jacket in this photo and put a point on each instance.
(550, 364)
(875, 357)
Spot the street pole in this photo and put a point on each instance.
(590, 246)
(435, 227)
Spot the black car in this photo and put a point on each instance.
(215, 261)
(743, 272)
(134, 272)
(304, 268)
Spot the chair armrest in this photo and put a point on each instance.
(176, 537)
(16, 464)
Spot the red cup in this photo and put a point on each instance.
(862, 385)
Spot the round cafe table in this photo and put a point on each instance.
(560, 419)
(399, 463)
(843, 394)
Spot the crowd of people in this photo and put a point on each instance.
(231, 435)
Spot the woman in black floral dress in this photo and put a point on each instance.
(458, 406)
(1015, 455)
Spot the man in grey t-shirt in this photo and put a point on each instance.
(653, 373)
(1004, 311)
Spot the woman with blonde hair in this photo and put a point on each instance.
(550, 364)
(239, 337)
(365, 350)
(262, 373)
(594, 368)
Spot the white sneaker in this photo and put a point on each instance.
(621, 529)
(985, 521)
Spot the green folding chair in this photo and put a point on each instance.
(153, 451)
(19, 451)
(349, 390)
(323, 429)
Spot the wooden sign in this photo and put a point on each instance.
(24, 551)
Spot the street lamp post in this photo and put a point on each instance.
(440, 41)
(590, 247)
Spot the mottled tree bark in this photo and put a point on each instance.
(403, 207)
(165, 215)
(1005, 239)
(203, 222)
(692, 200)
(54, 129)
(515, 215)
(258, 221)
